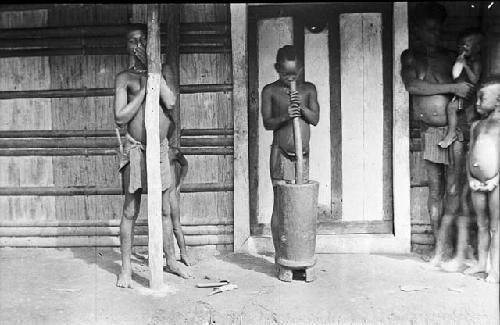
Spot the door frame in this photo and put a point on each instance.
(397, 242)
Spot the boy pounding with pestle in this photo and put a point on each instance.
(279, 106)
(483, 166)
(130, 94)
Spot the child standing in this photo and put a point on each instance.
(467, 68)
(483, 165)
(279, 107)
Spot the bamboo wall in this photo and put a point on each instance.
(460, 15)
(59, 180)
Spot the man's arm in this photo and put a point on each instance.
(184, 169)
(311, 113)
(168, 93)
(474, 72)
(270, 122)
(416, 86)
(124, 111)
(474, 184)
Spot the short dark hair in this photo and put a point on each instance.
(287, 52)
(133, 27)
(470, 31)
(429, 10)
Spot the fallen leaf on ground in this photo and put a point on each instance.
(456, 289)
(66, 290)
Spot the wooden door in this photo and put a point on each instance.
(350, 62)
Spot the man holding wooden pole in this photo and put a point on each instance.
(289, 106)
(138, 92)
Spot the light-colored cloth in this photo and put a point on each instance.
(282, 166)
(431, 138)
(134, 152)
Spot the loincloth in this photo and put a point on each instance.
(432, 135)
(134, 153)
(282, 166)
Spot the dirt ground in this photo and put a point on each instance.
(77, 286)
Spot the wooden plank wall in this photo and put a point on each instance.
(200, 110)
(460, 15)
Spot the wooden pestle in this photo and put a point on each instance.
(299, 164)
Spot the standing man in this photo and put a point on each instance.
(279, 106)
(129, 111)
(427, 75)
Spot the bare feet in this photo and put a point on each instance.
(124, 279)
(447, 140)
(453, 265)
(180, 269)
(186, 260)
(436, 260)
(492, 278)
(475, 269)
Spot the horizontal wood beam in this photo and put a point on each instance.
(98, 133)
(65, 191)
(99, 92)
(100, 142)
(104, 42)
(108, 30)
(100, 223)
(183, 49)
(102, 151)
(338, 228)
(105, 231)
(105, 241)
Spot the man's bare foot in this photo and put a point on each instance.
(453, 265)
(124, 279)
(475, 269)
(186, 260)
(492, 278)
(447, 140)
(436, 260)
(179, 269)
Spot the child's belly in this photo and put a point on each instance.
(287, 140)
(483, 158)
(137, 126)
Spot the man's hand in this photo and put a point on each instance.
(295, 98)
(140, 53)
(463, 89)
(294, 111)
(475, 184)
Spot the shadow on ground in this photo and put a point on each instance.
(250, 262)
(109, 259)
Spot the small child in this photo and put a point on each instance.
(483, 165)
(467, 68)
(178, 168)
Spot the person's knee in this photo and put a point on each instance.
(483, 224)
(130, 212)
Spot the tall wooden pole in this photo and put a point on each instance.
(299, 165)
(155, 243)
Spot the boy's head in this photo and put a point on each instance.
(429, 19)
(137, 36)
(488, 96)
(288, 64)
(469, 41)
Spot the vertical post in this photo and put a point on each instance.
(171, 18)
(299, 165)
(155, 243)
(400, 135)
(240, 115)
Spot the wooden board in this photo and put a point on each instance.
(205, 68)
(362, 116)
(27, 73)
(316, 60)
(202, 13)
(206, 111)
(271, 35)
